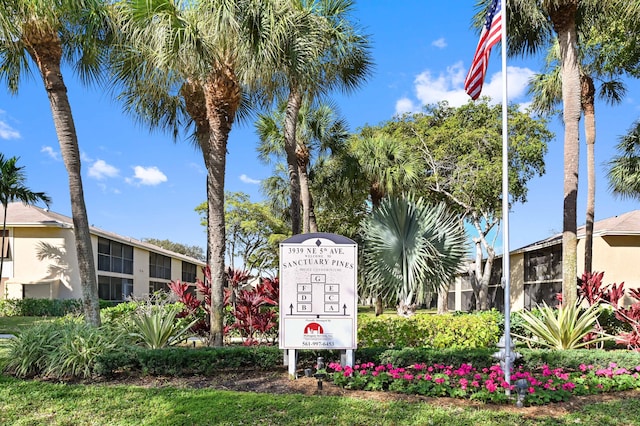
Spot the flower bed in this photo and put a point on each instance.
(486, 384)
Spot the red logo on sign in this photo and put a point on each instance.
(313, 328)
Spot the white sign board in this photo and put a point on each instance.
(318, 292)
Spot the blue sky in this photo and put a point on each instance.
(142, 184)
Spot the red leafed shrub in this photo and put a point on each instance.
(254, 312)
(251, 311)
(590, 289)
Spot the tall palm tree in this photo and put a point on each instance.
(531, 26)
(338, 57)
(547, 91)
(319, 130)
(411, 247)
(624, 168)
(186, 63)
(13, 188)
(46, 34)
(387, 165)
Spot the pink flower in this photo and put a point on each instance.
(439, 380)
(568, 386)
(463, 384)
(490, 385)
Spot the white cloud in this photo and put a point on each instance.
(404, 105)
(440, 43)
(51, 152)
(246, 179)
(7, 132)
(448, 86)
(147, 176)
(101, 170)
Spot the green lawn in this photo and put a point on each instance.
(26, 402)
(36, 403)
(13, 325)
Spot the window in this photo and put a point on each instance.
(114, 288)
(159, 266)
(542, 276)
(189, 272)
(158, 286)
(115, 257)
(6, 250)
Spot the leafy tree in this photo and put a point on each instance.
(192, 251)
(410, 247)
(191, 64)
(13, 188)
(46, 33)
(460, 150)
(253, 233)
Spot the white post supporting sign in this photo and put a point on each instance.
(318, 294)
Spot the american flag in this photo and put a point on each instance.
(490, 35)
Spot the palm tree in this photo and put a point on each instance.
(337, 57)
(387, 165)
(185, 63)
(319, 129)
(624, 168)
(13, 188)
(411, 247)
(531, 26)
(48, 33)
(547, 91)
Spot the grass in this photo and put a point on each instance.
(64, 404)
(13, 325)
(25, 402)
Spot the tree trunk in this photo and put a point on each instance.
(313, 224)
(222, 96)
(443, 300)
(47, 56)
(4, 230)
(564, 23)
(294, 103)
(588, 107)
(379, 310)
(305, 198)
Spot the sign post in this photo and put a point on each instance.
(318, 294)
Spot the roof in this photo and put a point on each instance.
(26, 216)
(623, 224)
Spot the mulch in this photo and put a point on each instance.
(278, 382)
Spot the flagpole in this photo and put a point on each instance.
(506, 272)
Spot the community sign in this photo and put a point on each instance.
(318, 292)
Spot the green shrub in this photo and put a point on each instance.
(533, 359)
(65, 348)
(181, 361)
(479, 357)
(564, 327)
(40, 307)
(475, 330)
(158, 328)
(29, 352)
(120, 315)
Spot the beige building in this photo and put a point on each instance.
(40, 260)
(536, 269)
